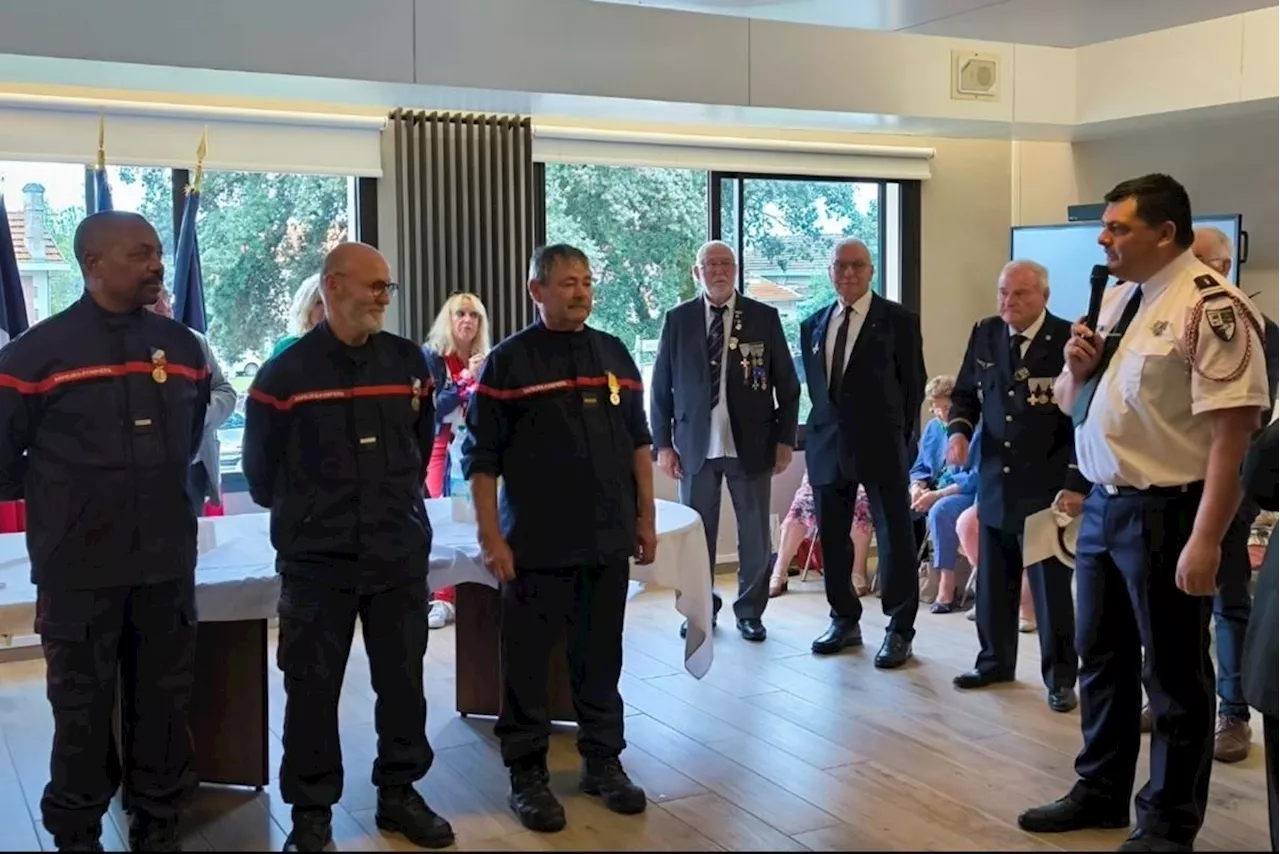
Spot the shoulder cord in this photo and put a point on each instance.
(1192, 335)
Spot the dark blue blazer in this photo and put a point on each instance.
(868, 432)
(763, 410)
(1028, 445)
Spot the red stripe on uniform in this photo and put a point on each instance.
(337, 394)
(542, 388)
(98, 372)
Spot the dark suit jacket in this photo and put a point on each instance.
(1028, 445)
(762, 413)
(866, 433)
(1259, 668)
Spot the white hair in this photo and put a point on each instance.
(847, 241)
(1218, 241)
(1038, 270)
(702, 250)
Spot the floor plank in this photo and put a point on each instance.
(776, 749)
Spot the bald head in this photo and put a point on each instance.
(356, 288)
(1213, 248)
(121, 259)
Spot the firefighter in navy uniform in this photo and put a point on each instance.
(558, 414)
(1028, 464)
(338, 431)
(1164, 405)
(102, 409)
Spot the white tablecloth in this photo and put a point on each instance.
(236, 576)
(681, 564)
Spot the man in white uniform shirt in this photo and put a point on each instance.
(1165, 399)
(724, 408)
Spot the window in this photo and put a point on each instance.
(784, 230)
(44, 203)
(641, 227)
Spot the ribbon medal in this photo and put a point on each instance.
(416, 402)
(158, 362)
(614, 388)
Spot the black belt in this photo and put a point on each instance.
(1154, 491)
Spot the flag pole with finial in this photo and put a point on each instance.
(188, 281)
(101, 189)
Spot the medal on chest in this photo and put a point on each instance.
(614, 388)
(158, 363)
(416, 401)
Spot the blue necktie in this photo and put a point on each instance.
(1110, 345)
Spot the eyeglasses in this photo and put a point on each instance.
(855, 266)
(378, 289)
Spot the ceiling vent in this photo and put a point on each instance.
(975, 76)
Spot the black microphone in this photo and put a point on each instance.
(1098, 279)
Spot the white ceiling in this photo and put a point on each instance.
(1057, 23)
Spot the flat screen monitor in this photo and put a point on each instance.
(1070, 250)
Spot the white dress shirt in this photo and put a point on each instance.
(856, 319)
(1029, 334)
(1150, 420)
(720, 443)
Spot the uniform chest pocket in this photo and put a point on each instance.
(324, 440)
(1149, 362)
(159, 421)
(399, 429)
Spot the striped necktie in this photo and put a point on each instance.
(715, 351)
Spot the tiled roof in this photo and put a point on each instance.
(767, 291)
(18, 227)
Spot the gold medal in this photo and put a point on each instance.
(416, 402)
(1021, 375)
(614, 388)
(733, 343)
(158, 362)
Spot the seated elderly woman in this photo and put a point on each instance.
(941, 492)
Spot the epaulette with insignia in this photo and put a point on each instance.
(1209, 287)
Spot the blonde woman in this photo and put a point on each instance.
(305, 312)
(455, 349)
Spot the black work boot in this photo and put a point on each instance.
(402, 810)
(605, 777)
(152, 834)
(78, 842)
(531, 799)
(312, 829)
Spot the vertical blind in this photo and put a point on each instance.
(466, 209)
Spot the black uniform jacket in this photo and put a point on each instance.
(558, 416)
(1028, 445)
(101, 415)
(336, 444)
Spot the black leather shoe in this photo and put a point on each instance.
(1074, 812)
(716, 604)
(312, 830)
(894, 652)
(752, 629)
(840, 634)
(1063, 699)
(979, 679)
(531, 799)
(1145, 840)
(402, 810)
(153, 834)
(78, 843)
(606, 779)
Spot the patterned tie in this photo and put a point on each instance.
(715, 350)
(1110, 345)
(836, 374)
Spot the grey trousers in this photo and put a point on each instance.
(750, 497)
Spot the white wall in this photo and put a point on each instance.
(1227, 167)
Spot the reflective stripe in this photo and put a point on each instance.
(288, 403)
(541, 388)
(98, 372)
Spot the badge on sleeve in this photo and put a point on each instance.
(1222, 321)
(614, 388)
(158, 362)
(416, 402)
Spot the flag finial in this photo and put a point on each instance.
(201, 151)
(102, 142)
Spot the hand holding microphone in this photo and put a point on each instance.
(1084, 349)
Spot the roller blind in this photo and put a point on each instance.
(552, 144)
(65, 130)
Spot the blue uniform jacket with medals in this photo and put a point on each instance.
(101, 415)
(1028, 446)
(558, 416)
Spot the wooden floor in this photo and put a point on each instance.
(775, 749)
